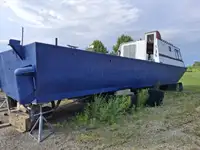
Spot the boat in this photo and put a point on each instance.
(40, 73)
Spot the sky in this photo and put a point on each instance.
(79, 22)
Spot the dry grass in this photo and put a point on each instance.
(174, 125)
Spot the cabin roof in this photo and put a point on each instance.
(169, 44)
(163, 39)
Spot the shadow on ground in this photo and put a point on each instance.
(66, 112)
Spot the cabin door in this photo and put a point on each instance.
(150, 47)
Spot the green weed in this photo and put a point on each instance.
(142, 97)
(108, 110)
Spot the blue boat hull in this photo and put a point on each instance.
(51, 72)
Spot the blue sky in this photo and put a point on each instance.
(79, 22)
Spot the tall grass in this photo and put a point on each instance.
(108, 110)
(142, 97)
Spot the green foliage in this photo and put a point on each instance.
(194, 68)
(189, 69)
(108, 112)
(113, 53)
(196, 64)
(191, 78)
(98, 47)
(102, 111)
(122, 39)
(142, 97)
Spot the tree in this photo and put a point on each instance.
(122, 39)
(189, 69)
(97, 46)
(196, 64)
(113, 53)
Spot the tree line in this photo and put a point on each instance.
(194, 68)
(196, 64)
(98, 46)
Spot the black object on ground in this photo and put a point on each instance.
(155, 98)
(134, 101)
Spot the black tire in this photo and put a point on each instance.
(179, 87)
(155, 98)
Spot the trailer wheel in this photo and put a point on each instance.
(179, 87)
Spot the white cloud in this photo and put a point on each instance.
(3, 41)
(169, 33)
(73, 21)
(68, 13)
(24, 11)
(181, 34)
(81, 21)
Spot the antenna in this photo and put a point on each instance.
(22, 40)
(56, 41)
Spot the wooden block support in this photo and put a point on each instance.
(126, 92)
(20, 120)
(18, 117)
(21, 108)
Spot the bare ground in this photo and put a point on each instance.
(175, 125)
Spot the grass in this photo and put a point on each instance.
(108, 112)
(191, 81)
(150, 126)
(115, 128)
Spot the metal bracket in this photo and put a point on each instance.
(7, 107)
(41, 119)
(15, 44)
(2, 104)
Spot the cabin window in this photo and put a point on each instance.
(150, 44)
(177, 54)
(180, 55)
(130, 51)
(170, 49)
(150, 38)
